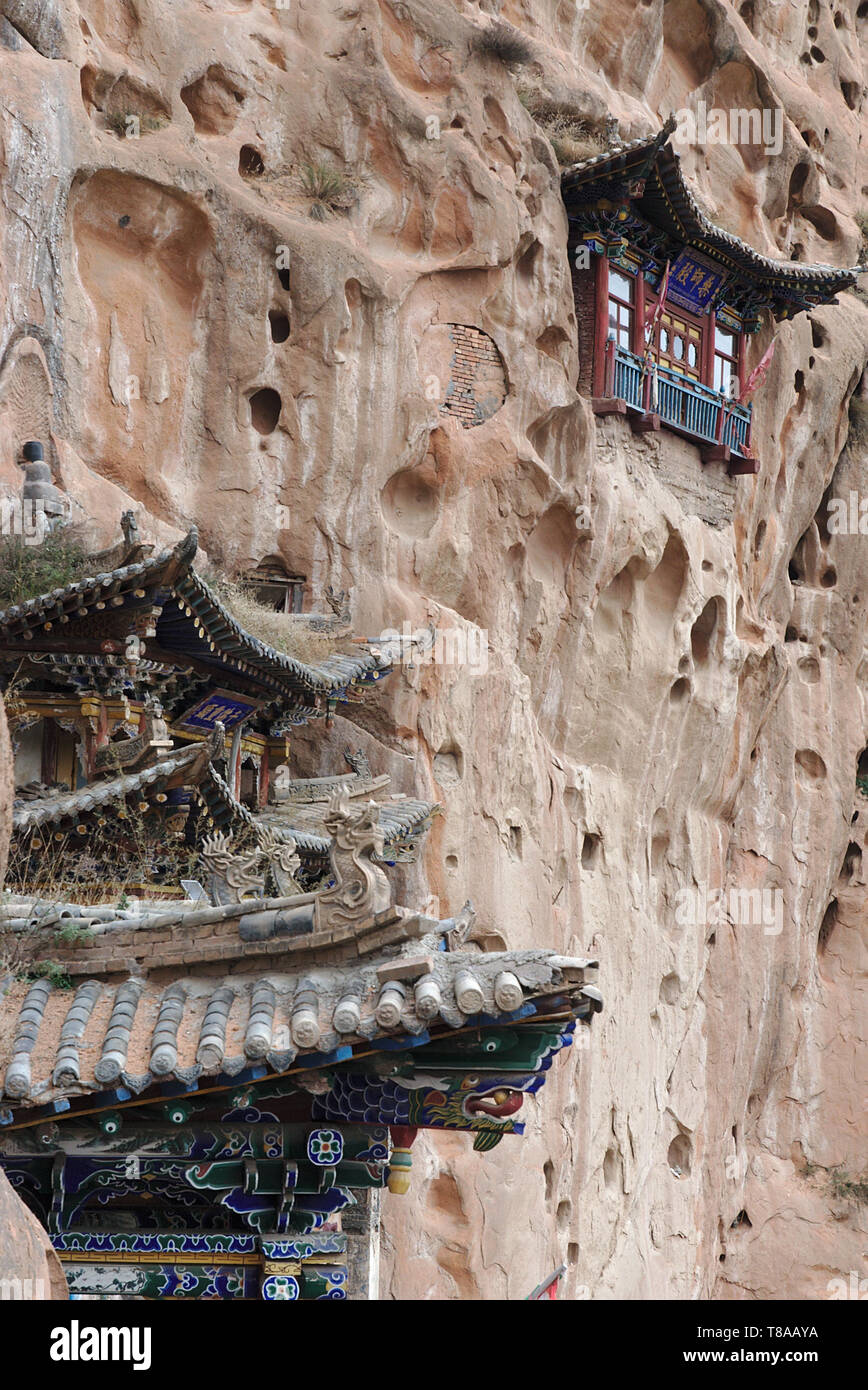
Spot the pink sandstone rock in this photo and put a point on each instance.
(662, 708)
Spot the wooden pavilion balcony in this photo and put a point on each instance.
(655, 396)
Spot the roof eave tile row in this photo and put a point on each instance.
(194, 1028)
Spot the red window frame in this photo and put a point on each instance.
(624, 316)
(732, 359)
(642, 299)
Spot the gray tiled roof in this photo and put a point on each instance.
(57, 806)
(655, 148)
(333, 673)
(70, 1042)
(400, 817)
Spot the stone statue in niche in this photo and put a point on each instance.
(360, 887)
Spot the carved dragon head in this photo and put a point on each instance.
(355, 828)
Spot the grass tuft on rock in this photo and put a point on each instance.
(848, 1188)
(330, 190)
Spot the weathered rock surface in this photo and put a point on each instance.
(29, 1268)
(674, 697)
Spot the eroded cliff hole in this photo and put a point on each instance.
(827, 927)
(449, 769)
(213, 100)
(611, 1169)
(265, 408)
(852, 865)
(810, 768)
(550, 547)
(680, 691)
(670, 989)
(278, 323)
(549, 1178)
(251, 165)
(592, 845)
(679, 1156)
(411, 504)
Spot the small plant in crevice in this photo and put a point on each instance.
(842, 1185)
(73, 933)
(861, 220)
(848, 1188)
(501, 41)
(329, 189)
(50, 970)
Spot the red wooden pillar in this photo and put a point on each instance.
(601, 323)
(742, 361)
(48, 771)
(707, 367)
(640, 297)
(401, 1160)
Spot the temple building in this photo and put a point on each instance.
(636, 230)
(219, 1033)
(116, 683)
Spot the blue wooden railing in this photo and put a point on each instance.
(685, 404)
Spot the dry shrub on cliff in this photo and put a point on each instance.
(29, 570)
(572, 140)
(862, 224)
(573, 137)
(501, 41)
(289, 633)
(329, 189)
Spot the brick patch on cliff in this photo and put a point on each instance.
(477, 385)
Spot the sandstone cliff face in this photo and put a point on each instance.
(676, 694)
